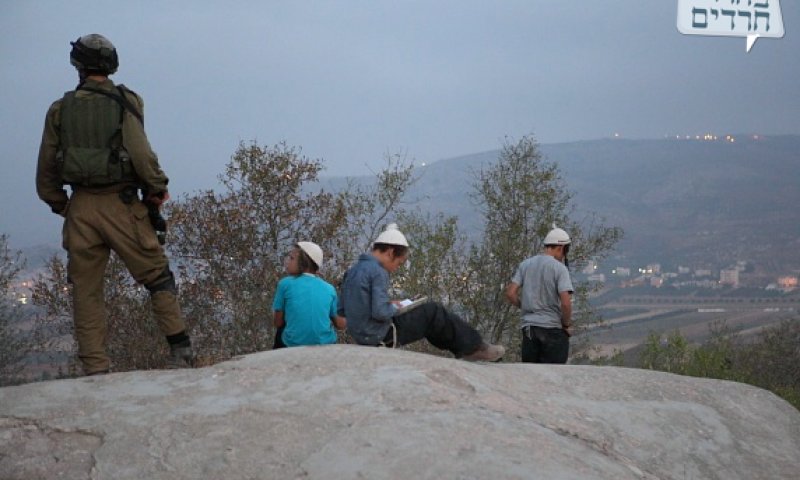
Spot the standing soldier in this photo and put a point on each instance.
(94, 141)
(541, 287)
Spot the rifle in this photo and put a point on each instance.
(159, 223)
(157, 220)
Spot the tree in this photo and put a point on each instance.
(436, 267)
(230, 246)
(521, 197)
(227, 249)
(368, 208)
(52, 293)
(771, 360)
(13, 346)
(671, 354)
(714, 359)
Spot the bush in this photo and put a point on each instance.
(770, 361)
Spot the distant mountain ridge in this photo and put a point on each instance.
(689, 202)
(694, 202)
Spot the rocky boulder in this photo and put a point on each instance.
(348, 412)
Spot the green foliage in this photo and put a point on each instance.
(436, 265)
(770, 361)
(13, 346)
(521, 196)
(53, 294)
(27, 342)
(714, 359)
(592, 356)
(367, 210)
(228, 248)
(670, 354)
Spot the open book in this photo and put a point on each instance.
(409, 304)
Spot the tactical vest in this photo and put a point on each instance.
(91, 152)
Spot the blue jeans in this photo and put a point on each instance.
(544, 345)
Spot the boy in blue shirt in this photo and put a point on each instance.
(305, 305)
(375, 319)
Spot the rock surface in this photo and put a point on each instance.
(348, 412)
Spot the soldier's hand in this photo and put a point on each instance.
(157, 198)
(63, 212)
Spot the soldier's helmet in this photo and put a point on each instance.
(94, 53)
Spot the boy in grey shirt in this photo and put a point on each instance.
(541, 287)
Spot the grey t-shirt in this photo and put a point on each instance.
(541, 279)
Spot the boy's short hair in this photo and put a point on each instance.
(304, 262)
(399, 250)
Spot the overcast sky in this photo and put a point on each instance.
(350, 81)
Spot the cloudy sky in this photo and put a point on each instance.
(350, 81)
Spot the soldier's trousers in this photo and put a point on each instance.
(94, 225)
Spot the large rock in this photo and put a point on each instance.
(347, 412)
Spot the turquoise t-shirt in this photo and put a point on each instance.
(308, 303)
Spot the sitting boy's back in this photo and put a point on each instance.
(305, 305)
(308, 302)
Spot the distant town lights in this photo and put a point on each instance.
(710, 137)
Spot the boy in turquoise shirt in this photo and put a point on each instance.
(305, 305)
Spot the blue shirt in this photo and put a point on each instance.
(365, 301)
(308, 303)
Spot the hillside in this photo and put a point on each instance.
(690, 202)
(702, 204)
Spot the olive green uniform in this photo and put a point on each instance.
(97, 220)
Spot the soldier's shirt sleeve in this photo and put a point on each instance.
(144, 159)
(49, 186)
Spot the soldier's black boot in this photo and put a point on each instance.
(181, 354)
